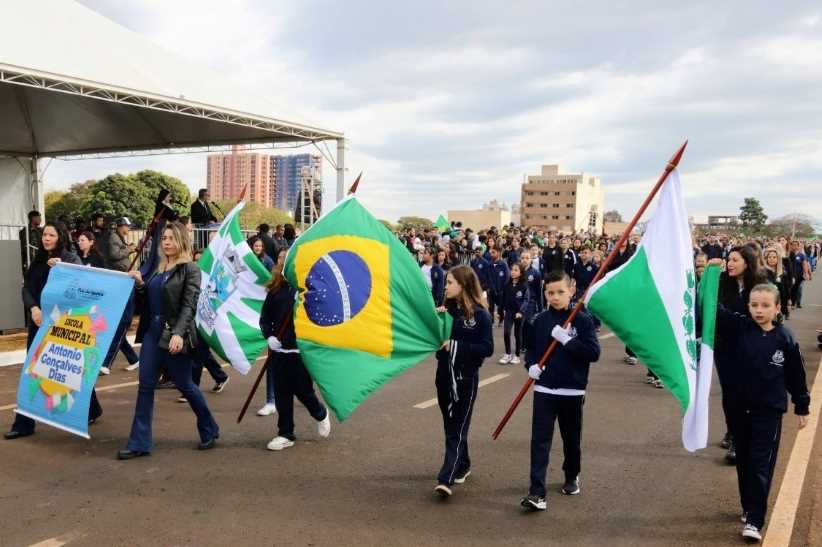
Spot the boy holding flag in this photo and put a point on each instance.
(559, 388)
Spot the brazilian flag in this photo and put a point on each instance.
(364, 312)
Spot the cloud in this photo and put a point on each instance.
(448, 104)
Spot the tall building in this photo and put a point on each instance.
(229, 173)
(286, 170)
(566, 202)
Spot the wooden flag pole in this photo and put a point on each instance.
(353, 188)
(672, 164)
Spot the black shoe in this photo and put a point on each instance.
(209, 444)
(92, 421)
(218, 387)
(131, 454)
(168, 384)
(461, 478)
(571, 487)
(11, 435)
(443, 490)
(726, 441)
(730, 457)
(534, 503)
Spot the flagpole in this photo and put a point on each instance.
(354, 186)
(672, 164)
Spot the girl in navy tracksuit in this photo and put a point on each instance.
(458, 363)
(515, 303)
(559, 390)
(766, 363)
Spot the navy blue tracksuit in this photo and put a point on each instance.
(766, 364)
(515, 299)
(437, 284)
(500, 274)
(567, 369)
(482, 268)
(512, 256)
(583, 276)
(534, 279)
(456, 381)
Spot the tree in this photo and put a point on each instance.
(752, 216)
(792, 225)
(120, 196)
(67, 204)
(612, 216)
(417, 223)
(387, 225)
(254, 214)
(155, 181)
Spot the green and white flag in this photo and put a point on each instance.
(232, 291)
(649, 303)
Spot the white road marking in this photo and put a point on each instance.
(495, 378)
(58, 541)
(783, 516)
(604, 336)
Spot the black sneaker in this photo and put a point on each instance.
(534, 503)
(730, 457)
(571, 487)
(461, 478)
(218, 387)
(726, 441)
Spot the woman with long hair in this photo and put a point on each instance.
(88, 250)
(458, 363)
(742, 273)
(290, 376)
(52, 249)
(171, 300)
(776, 274)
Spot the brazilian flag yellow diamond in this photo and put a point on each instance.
(344, 294)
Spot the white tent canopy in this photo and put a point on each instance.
(73, 83)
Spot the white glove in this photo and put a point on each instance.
(274, 344)
(561, 335)
(534, 372)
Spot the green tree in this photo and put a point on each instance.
(120, 196)
(418, 223)
(67, 204)
(388, 225)
(155, 181)
(752, 216)
(254, 214)
(792, 225)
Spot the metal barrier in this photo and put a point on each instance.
(200, 238)
(11, 232)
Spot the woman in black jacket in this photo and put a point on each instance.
(171, 300)
(53, 248)
(284, 363)
(458, 363)
(776, 275)
(88, 250)
(742, 273)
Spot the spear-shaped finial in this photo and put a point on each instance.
(354, 186)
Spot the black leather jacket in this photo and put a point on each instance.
(180, 294)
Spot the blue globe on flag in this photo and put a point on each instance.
(337, 288)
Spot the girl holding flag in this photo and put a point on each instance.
(458, 363)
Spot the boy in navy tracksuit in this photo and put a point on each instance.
(500, 274)
(534, 279)
(559, 389)
(482, 268)
(434, 273)
(768, 363)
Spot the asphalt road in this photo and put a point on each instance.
(371, 482)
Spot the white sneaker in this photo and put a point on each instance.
(505, 359)
(751, 533)
(105, 371)
(279, 443)
(135, 366)
(324, 427)
(515, 360)
(267, 410)
(631, 360)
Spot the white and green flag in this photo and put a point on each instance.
(232, 291)
(650, 304)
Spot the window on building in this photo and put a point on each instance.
(556, 205)
(569, 205)
(568, 217)
(556, 193)
(555, 217)
(543, 193)
(573, 193)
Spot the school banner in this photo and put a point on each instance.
(81, 308)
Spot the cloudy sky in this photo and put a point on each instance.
(448, 104)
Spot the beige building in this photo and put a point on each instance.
(481, 219)
(566, 202)
(227, 174)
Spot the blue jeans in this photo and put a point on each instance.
(120, 342)
(179, 369)
(204, 358)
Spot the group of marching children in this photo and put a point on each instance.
(757, 357)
